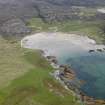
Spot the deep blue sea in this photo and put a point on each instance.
(89, 67)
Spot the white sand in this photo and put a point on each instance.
(56, 43)
(102, 10)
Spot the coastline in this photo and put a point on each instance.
(65, 81)
(59, 69)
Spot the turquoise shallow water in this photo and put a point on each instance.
(91, 68)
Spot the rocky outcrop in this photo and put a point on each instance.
(52, 59)
(49, 10)
(14, 27)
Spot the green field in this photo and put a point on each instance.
(25, 78)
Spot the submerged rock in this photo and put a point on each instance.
(52, 59)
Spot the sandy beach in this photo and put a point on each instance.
(56, 43)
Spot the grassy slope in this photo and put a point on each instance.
(27, 74)
(12, 63)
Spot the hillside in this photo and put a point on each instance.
(25, 79)
(48, 10)
(25, 74)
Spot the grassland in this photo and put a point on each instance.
(25, 79)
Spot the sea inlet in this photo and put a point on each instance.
(83, 55)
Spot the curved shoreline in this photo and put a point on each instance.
(53, 61)
(65, 81)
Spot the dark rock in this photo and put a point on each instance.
(14, 27)
(51, 57)
(90, 51)
(49, 10)
(99, 50)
